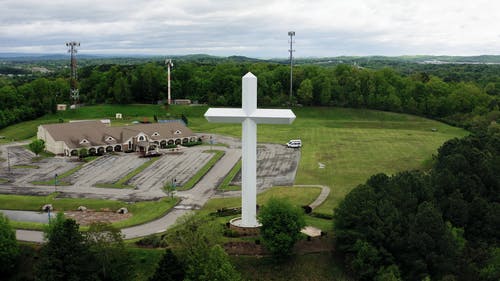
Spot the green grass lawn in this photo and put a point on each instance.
(225, 185)
(132, 112)
(352, 143)
(298, 195)
(141, 211)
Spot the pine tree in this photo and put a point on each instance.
(169, 268)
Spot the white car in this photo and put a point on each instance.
(294, 144)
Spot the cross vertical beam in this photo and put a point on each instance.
(249, 173)
(249, 152)
(249, 116)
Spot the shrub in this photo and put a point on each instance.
(281, 225)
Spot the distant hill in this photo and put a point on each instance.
(422, 59)
(483, 59)
(24, 63)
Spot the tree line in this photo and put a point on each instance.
(101, 254)
(443, 224)
(472, 104)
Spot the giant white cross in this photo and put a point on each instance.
(249, 116)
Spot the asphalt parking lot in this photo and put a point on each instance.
(276, 165)
(106, 169)
(179, 166)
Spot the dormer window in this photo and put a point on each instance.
(110, 139)
(142, 138)
(178, 132)
(155, 134)
(84, 141)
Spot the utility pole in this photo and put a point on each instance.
(291, 50)
(74, 92)
(8, 159)
(169, 64)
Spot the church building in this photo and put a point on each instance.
(67, 138)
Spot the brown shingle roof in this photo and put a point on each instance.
(96, 132)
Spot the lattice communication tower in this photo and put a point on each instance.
(74, 92)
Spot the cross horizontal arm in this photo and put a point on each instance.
(273, 116)
(259, 116)
(225, 115)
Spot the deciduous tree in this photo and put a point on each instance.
(9, 250)
(169, 268)
(65, 255)
(37, 146)
(110, 256)
(281, 224)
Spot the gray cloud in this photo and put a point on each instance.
(251, 28)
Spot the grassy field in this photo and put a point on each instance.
(142, 211)
(353, 144)
(298, 195)
(27, 130)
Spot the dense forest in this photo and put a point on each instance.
(441, 225)
(465, 95)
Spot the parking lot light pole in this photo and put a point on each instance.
(55, 182)
(8, 159)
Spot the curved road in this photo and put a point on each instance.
(192, 199)
(169, 219)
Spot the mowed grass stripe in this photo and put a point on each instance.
(353, 143)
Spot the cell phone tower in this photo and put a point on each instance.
(170, 65)
(291, 34)
(73, 83)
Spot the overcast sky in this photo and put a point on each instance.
(252, 28)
